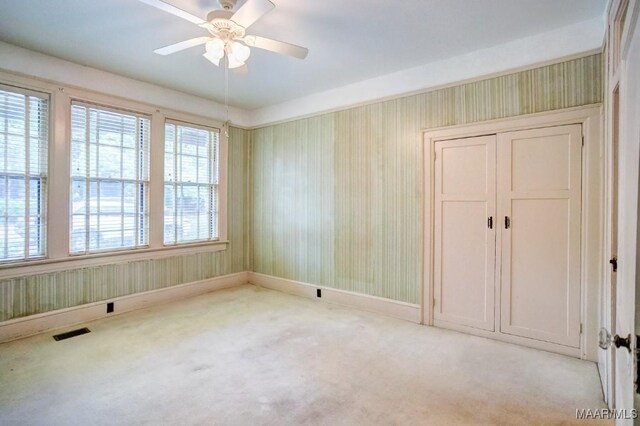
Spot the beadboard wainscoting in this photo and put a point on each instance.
(34, 294)
(80, 314)
(337, 198)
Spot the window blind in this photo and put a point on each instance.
(24, 135)
(191, 183)
(109, 179)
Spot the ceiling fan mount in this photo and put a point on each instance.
(228, 32)
(227, 4)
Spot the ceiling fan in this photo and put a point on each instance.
(228, 32)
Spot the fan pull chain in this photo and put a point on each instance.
(226, 95)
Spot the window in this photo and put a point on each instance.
(24, 125)
(109, 179)
(191, 183)
(113, 204)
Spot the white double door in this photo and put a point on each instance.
(507, 233)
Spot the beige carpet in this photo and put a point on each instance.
(253, 356)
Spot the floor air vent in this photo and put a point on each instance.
(72, 333)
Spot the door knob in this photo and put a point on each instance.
(621, 342)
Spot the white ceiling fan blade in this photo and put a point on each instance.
(167, 50)
(174, 11)
(251, 11)
(276, 46)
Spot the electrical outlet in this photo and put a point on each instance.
(318, 292)
(110, 307)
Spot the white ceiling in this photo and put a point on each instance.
(349, 41)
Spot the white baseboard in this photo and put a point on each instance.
(516, 340)
(379, 305)
(27, 326)
(38, 323)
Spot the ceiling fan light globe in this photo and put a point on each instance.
(214, 59)
(239, 52)
(233, 62)
(215, 47)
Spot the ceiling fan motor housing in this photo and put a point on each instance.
(219, 25)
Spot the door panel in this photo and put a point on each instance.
(464, 252)
(539, 265)
(465, 168)
(464, 291)
(539, 204)
(540, 163)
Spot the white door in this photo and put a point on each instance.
(628, 217)
(465, 236)
(539, 207)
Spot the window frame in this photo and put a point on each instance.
(98, 180)
(42, 94)
(58, 256)
(217, 185)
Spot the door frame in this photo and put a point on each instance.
(622, 20)
(592, 232)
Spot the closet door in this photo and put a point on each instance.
(465, 236)
(539, 187)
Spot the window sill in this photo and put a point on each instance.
(43, 266)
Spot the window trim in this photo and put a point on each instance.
(58, 256)
(115, 110)
(218, 185)
(44, 95)
(175, 117)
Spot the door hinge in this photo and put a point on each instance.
(580, 328)
(434, 302)
(583, 141)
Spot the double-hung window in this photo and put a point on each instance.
(109, 179)
(24, 124)
(191, 174)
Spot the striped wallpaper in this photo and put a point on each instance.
(45, 292)
(332, 200)
(337, 198)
